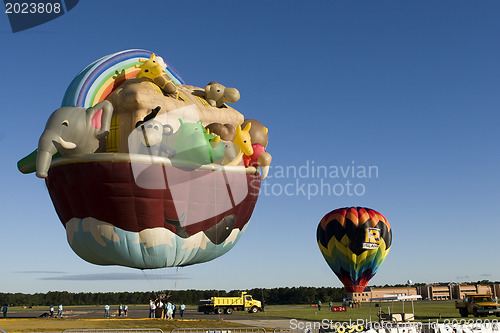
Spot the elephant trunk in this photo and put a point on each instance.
(46, 149)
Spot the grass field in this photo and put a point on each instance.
(59, 325)
(425, 311)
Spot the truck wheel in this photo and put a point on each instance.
(229, 311)
(475, 313)
(206, 312)
(254, 309)
(218, 311)
(464, 312)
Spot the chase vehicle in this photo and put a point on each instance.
(220, 305)
(479, 305)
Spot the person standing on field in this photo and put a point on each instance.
(170, 310)
(4, 310)
(152, 309)
(182, 309)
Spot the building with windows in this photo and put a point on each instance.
(438, 292)
(434, 292)
(372, 292)
(461, 290)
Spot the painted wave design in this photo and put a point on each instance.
(102, 243)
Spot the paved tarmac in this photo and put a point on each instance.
(142, 311)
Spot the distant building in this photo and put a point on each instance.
(434, 292)
(461, 290)
(372, 292)
(437, 292)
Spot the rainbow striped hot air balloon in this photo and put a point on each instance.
(354, 242)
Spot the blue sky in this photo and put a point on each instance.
(407, 87)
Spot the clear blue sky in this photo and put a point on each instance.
(408, 87)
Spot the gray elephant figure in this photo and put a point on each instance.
(73, 131)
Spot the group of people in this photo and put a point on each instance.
(346, 302)
(157, 309)
(122, 309)
(5, 307)
(59, 311)
(318, 304)
(164, 309)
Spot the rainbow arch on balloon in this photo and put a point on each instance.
(96, 81)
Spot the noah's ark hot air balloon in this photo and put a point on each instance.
(354, 242)
(145, 171)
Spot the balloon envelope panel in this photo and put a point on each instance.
(110, 220)
(354, 242)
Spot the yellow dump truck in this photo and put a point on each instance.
(478, 305)
(220, 305)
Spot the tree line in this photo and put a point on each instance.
(273, 296)
(286, 295)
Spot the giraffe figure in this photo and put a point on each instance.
(153, 69)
